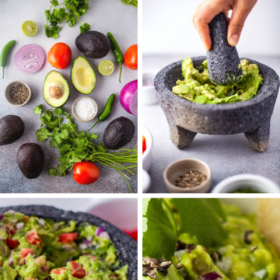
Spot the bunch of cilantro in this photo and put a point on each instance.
(164, 220)
(75, 146)
(71, 11)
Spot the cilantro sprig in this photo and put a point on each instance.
(75, 146)
(71, 11)
(133, 3)
(165, 220)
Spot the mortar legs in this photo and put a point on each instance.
(181, 137)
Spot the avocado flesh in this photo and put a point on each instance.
(55, 79)
(30, 160)
(83, 76)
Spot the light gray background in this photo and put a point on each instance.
(103, 16)
(226, 155)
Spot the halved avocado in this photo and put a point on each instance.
(56, 89)
(82, 76)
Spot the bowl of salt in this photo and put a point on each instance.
(84, 109)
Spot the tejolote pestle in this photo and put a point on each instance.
(223, 59)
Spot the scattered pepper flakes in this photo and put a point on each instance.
(190, 179)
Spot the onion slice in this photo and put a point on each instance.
(128, 97)
(99, 230)
(210, 276)
(30, 58)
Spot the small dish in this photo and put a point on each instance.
(179, 167)
(148, 88)
(74, 104)
(147, 155)
(243, 181)
(146, 181)
(14, 84)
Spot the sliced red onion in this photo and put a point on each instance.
(105, 235)
(210, 276)
(1, 217)
(88, 243)
(41, 222)
(90, 238)
(127, 100)
(10, 253)
(10, 261)
(30, 58)
(12, 212)
(19, 225)
(24, 261)
(43, 269)
(13, 221)
(34, 256)
(99, 230)
(46, 278)
(83, 246)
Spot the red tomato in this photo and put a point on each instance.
(85, 172)
(68, 237)
(132, 234)
(10, 229)
(77, 270)
(24, 252)
(59, 55)
(144, 144)
(12, 243)
(58, 271)
(131, 57)
(33, 237)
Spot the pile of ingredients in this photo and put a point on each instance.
(35, 248)
(190, 179)
(203, 239)
(197, 86)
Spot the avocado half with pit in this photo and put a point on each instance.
(83, 76)
(56, 89)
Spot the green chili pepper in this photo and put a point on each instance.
(106, 111)
(117, 51)
(4, 54)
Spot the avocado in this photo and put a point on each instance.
(93, 44)
(82, 76)
(56, 89)
(11, 129)
(30, 160)
(118, 133)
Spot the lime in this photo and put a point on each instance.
(106, 67)
(29, 28)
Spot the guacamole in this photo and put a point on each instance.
(244, 254)
(198, 88)
(35, 248)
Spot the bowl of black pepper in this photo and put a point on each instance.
(187, 176)
(17, 93)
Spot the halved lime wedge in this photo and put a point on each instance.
(29, 28)
(106, 67)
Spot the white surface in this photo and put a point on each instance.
(168, 29)
(146, 181)
(147, 155)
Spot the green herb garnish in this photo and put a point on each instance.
(72, 11)
(133, 3)
(77, 146)
(246, 190)
(165, 220)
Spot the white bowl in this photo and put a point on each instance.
(148, 89)
(146, 181)
(256, 182)
(147, 156)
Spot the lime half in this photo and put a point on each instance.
(106, 67)
(29, 28)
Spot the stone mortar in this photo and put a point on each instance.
(125, 245)
(186, 118)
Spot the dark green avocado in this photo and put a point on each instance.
(30, 160)
(118, 133)
(11, 129)
(93, 44)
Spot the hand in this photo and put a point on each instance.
(206, 11)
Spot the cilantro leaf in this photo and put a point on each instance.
(39, 110)
(53, 143)
(42, 134)
(52, 171)
(54, 3)
(84, 27)
(94, 136)
(58, 111)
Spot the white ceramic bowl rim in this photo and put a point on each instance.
(17, 82)
(74, 104)
(149, 138)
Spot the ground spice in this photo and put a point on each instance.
(19, 94)
(190, 179)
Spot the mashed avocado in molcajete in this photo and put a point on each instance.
(32, 248)
(198, 88)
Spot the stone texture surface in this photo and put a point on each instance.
(125, 245)
(124, 30)
(223, 59)
(240, 117)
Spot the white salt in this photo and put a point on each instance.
(85, 109)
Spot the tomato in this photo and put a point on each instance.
(68, 237)
(132, 234)
(58, 271)
(12, 243)
(33, 237)
(77, 270)
(144, 144)
(85, 172)
(59, 55)
(131, 57)
(24, 252)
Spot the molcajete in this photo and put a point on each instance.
(186, 118)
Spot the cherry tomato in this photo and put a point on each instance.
(12, 243)
(85, 172)
(59, 55)
(33, 237)
(58, 271)
(131, 57)
(144, 144)
(24, 252)
(77, 270)
(132, 234)
(68, 237)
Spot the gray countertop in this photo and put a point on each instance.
(103, 16)
(226, 155)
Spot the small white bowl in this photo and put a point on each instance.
(243, 181)
(73, 111)
(148, 89)
(146, 181)
(14, 84)
(147, 156)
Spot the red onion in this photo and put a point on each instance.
(99, 230)
(105, 235)
(12, 212)
(30, 58)
(128, 97)
(10, 253)
(90, 238)
(19, 225)
(10, 261)
(83, 246)
(14, 221)
(43, 269)
(46, 278)
(88, 243)
(41, 222)
(210, 276)
(1, 216)
(24, 261)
